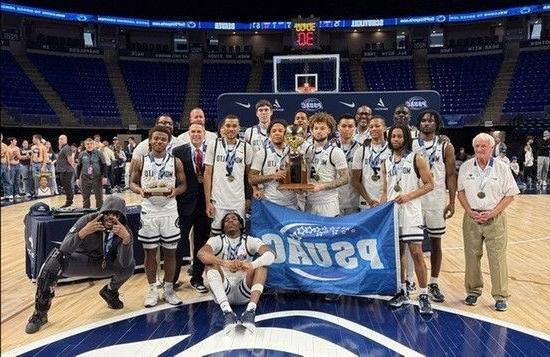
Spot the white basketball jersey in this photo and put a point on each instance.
(401, 178)
(241, 248)
(347, 195)
(157, 173)
(323, 165)
(369, 159)
(434, 153)
(256, 137)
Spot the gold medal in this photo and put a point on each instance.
(481, 194)
(397, 188)
(375, 177)
(200, 178)
(230, 178)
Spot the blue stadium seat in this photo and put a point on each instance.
(389, 75)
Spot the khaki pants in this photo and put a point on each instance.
(495, 236)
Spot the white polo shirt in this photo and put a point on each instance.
(495, 181)
(142, 148)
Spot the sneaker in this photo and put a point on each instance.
(248, 319)
(17, 197)
(501, 305)
(229, 321)
(399, 299)
(435, 293)
(424, 305)
(111, 297)
(36, 321)
(199, 287)
(152, 297)
(471, 300)
(332, 297)
(170, 297)
(411, 286)
(177, 285)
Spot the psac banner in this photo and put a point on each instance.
(285, 105)
(352, 255)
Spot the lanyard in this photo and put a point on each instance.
(159, 173)
(349, 151)
(484, 174)
(280, 157)
(230, 156)
(431, 155)
(232, 253)
(374, 161)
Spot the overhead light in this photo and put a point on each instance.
(378, 30)
(355, 30)
(234, 32)
(255, 32)
(500, 23)
(402, 32)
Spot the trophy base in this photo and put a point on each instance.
(296, 186)
(157, 192)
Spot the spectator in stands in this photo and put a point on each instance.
(15, 167)
(529, 172)
(118, 165)
(485, 188)
(543, 158)
(90, 173)
(38, 160)
(500, 146)
(65, 167)
(109, 157)
(196, 116)
(25, 162)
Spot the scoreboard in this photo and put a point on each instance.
(305, 34)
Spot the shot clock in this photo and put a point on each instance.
(305, 34)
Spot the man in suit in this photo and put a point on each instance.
(191, 204)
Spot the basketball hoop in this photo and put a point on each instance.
(307, 88)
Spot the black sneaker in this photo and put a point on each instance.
(501, 305)
(471, 300)
(248, 319)
(177, 285)
(332, 297)
(229, 321)
(111, 297)
(399, 299)
(424, 305)
(36, 321)
(411, 286)
(200, 288)
(435, 293)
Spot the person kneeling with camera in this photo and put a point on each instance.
(98, 245)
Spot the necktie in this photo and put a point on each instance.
(198, 161)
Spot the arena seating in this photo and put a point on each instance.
(83, 84)
(218, 78)
(156, 87)
(464, 83)
(530, 87)
(389, 75)
(20, 97)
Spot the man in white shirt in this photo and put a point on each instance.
(226, 169)
(327, 168)
(485, 188)
(257, 135)
(269, 168)
(196, 116)
(362, 119)
(235, 277)
(142, 148)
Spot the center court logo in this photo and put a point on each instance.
(416, 103)
(312, 105)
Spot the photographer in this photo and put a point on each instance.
(98, 245)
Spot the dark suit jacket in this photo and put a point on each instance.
(193, 197)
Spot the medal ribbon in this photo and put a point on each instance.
(431, 155)
(232, 252)
(315, 153)
(159, 173)
(484, 174)
(374, 161)
(230, 156)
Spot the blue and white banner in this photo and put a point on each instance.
(352, 255)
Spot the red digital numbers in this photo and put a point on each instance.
(306, 34)
(306, 39)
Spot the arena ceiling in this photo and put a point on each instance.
(258, 10)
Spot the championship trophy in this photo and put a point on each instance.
(296, 175)
(159, 189)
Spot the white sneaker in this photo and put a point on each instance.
(171, 297)
(152, 297)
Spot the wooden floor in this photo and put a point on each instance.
(79, 304)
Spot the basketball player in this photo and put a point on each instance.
(362, 119)
(235, 277)
(257, 135)
(159, 177)
(269, 168)
(142, 149)
(402, 115)
(367, 160)
(327, 166)
(435, 210)
(347, 195)
(400, 173)
(98, 245)
(301, 119)
(196, 116)
(226, 169)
